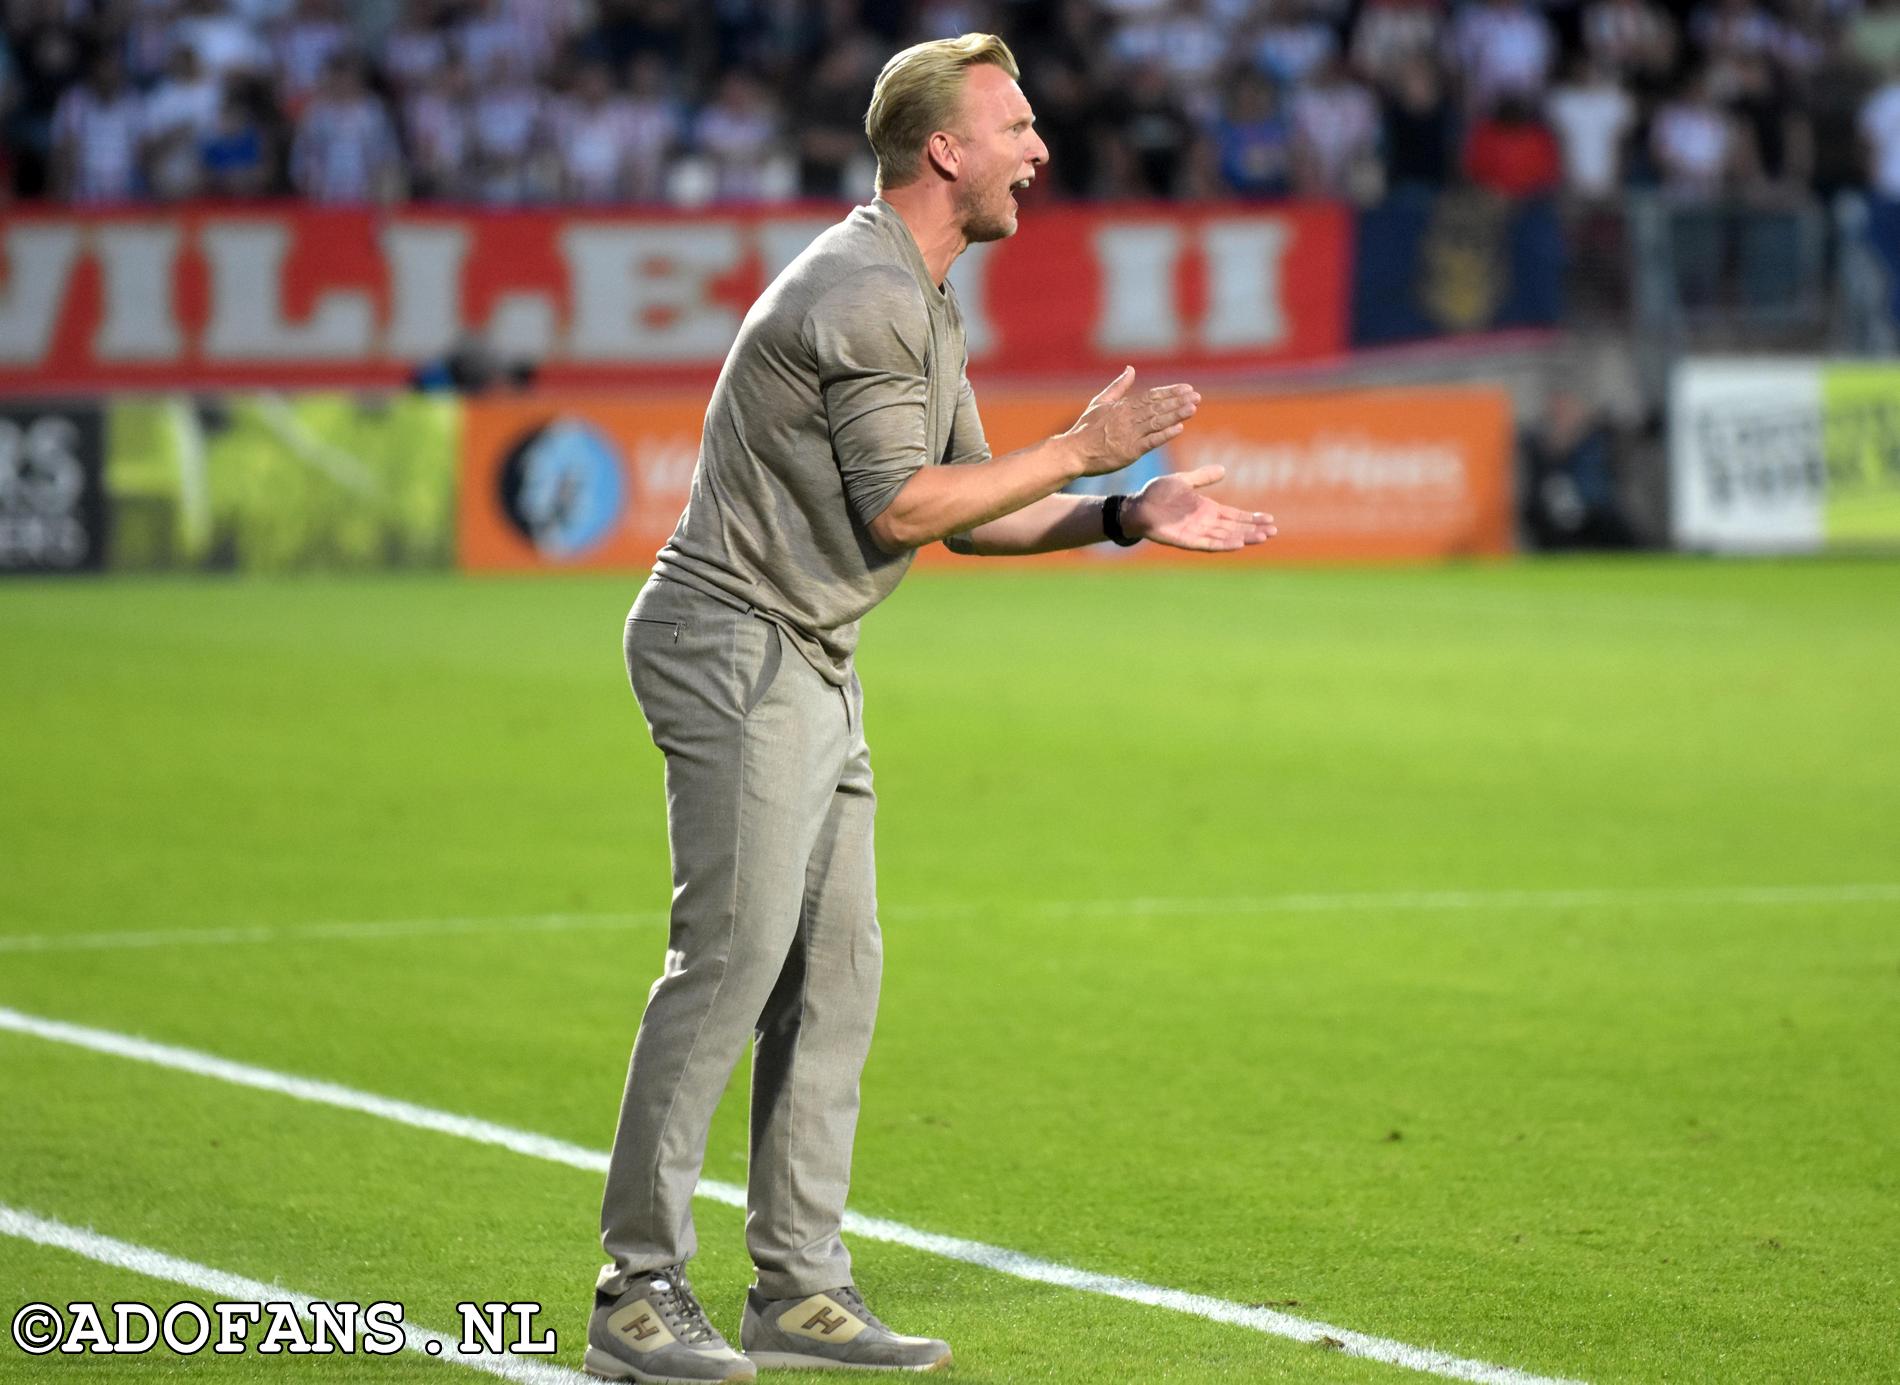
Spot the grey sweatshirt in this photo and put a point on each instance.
(847, 376)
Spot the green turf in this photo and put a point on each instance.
(1641, 1137)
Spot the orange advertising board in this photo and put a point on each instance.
(1378, 474)
(1366, 474)
(582, 482)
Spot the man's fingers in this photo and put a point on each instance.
(1248, 517)
(1215, 528)
(1173, 397)
(1161, 415)
(1207, 476)
(1117, 387)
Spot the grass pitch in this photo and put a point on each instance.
(1380, 944)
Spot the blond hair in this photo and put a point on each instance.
(916, 95)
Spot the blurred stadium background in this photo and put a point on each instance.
(1468, 921)
(1589, 210)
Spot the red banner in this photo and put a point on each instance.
(273, 295)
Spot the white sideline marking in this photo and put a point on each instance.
(155, 1264)
(1396, 901)
(292, 932)
(997, 1258)
(1407, 901)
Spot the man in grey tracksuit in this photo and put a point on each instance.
(842, 436)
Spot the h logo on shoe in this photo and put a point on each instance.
(825, 1322)
(640, 1327)
(823, 1319)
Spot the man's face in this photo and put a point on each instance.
(1001, 150)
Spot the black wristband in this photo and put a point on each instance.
(1112, 522)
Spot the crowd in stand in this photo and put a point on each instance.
(521, 102)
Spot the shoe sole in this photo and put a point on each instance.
(798, 1361)
(602, 1366)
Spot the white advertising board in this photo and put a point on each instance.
(1747, 467)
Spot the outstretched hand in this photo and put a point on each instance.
(1171, 510)
(1119, 426)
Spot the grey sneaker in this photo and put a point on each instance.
(831, 1331)
(656, 1331)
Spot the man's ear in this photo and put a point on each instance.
(944, 154)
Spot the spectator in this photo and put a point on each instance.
(1632, 39)
(235, 154)
(1695, 144)
(1512, 153)
(1336, 137)
(1418, 125)
(146, 38)
(415, 50)
(831, 129)
(344, 149)
(628, 29)
(1699, 155)
(179, 112)
(1293, 43)
(1593, 117)
(1834, 94)
(1801, 38)
(549, 26)
(96, 132)
(596, 139)
(1076, 36)
(1253, 141)
(226, 45)
(1392, 35)
(1153, 139)
(436, 128)
(1779, 136)
(1503, 49)
(1180, 37)
(49, 60)
(739, 135)
(498, 45)
(1148, 98)
(507, 125)
(777, 42)
(1068, 117)
(304, 49)
(659, 122)
(1725, 27)
(1880, 134)
(1569, 484)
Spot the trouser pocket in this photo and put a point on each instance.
(673, 626)
(758, 674)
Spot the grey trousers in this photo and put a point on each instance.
(773, 935)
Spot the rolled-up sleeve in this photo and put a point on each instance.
(870, 336)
